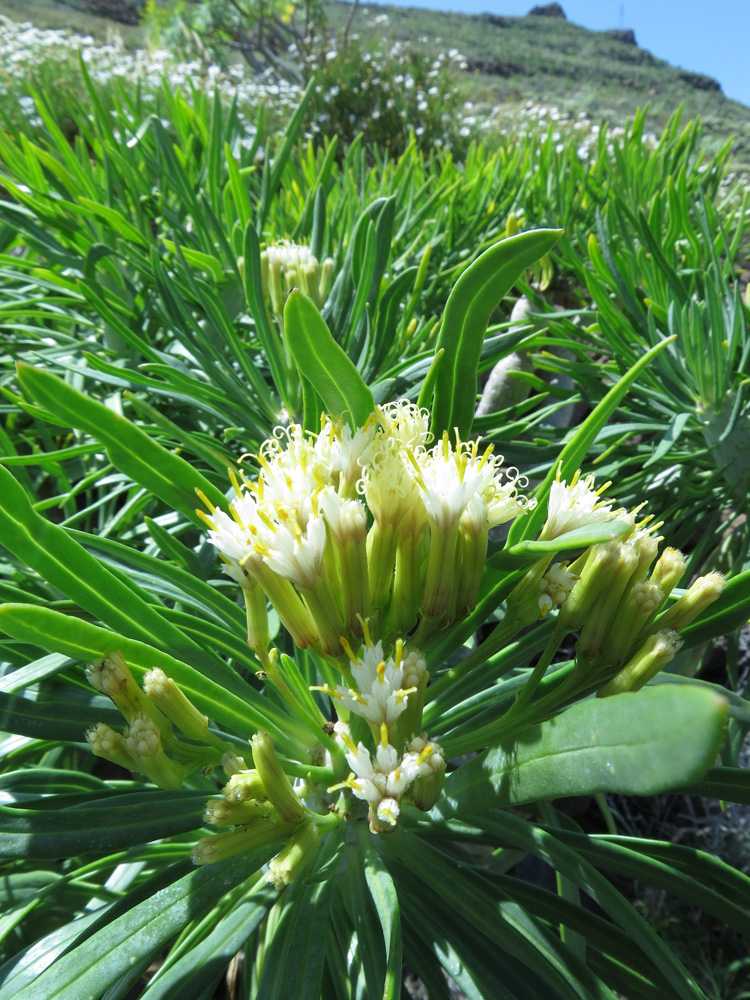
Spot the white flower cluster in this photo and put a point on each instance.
(383, 779)
(23, 46)
(383, 685)
(302, 524)
(287, 265)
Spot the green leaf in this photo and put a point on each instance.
(467, 314)
(518, 833)
(293, 963)
(323, 363)
(103, 957)
(129, 448)
(385, 898)
(729, 784)
(474, 901)
(57, 558)
(580, 538)
(108, 823)
(232, 702)
(205, 963)
(631, 743)
(55, 719)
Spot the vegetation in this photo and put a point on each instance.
(295, 730)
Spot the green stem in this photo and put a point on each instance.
(529, 689)
(502, 634)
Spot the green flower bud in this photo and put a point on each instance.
(277, 785)
(112, 676)
(163, 691)
(108, 743)
(656, 652)
(219, 846)
(143, 742)
(700, 595)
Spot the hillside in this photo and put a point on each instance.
(511, 60)
(551, 60)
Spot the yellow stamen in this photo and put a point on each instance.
(383, 735)
(205, 518)
(403, 693)
(425, 755)
(339, 786)
(204, 499)
(365, 623)
(349, 742)
(235, 482)
(326, 689)
(348, 649)
(381, 672)
(398, 653)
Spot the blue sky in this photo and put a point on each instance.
(708, 37)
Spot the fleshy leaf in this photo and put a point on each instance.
(631, 743)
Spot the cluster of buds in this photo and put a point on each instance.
(345, 525)
(148, 745)
(616, 593)
(285, 266)
(262, 808)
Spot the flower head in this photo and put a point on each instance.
(379, 696)
(574, 505)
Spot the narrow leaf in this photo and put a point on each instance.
(322, 361)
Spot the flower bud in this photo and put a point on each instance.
(143, 742)
(256, 609)
(430, 772)
(221, 812)
(108, 743)
(277, 785)
(596, 577)
(607, 603)
(699, 596)
(383, 815)
(415, 675)
(112, 676)
(244, 786)
(656, 652)
(669, 569)
(260, 833)
(163, 691)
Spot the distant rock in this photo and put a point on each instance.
(548, 10)
(700, 81)
(624, 35)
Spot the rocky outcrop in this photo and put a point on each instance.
(624, 35)
(700, 81)
(548, 10)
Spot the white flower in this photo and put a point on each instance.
(379, 779)
(424, 758)
(575, 505)
(554, 587)
(459, 482)
(390, 486)
(379, 696)
(296, 554)
(346, 449)
(345, 518)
